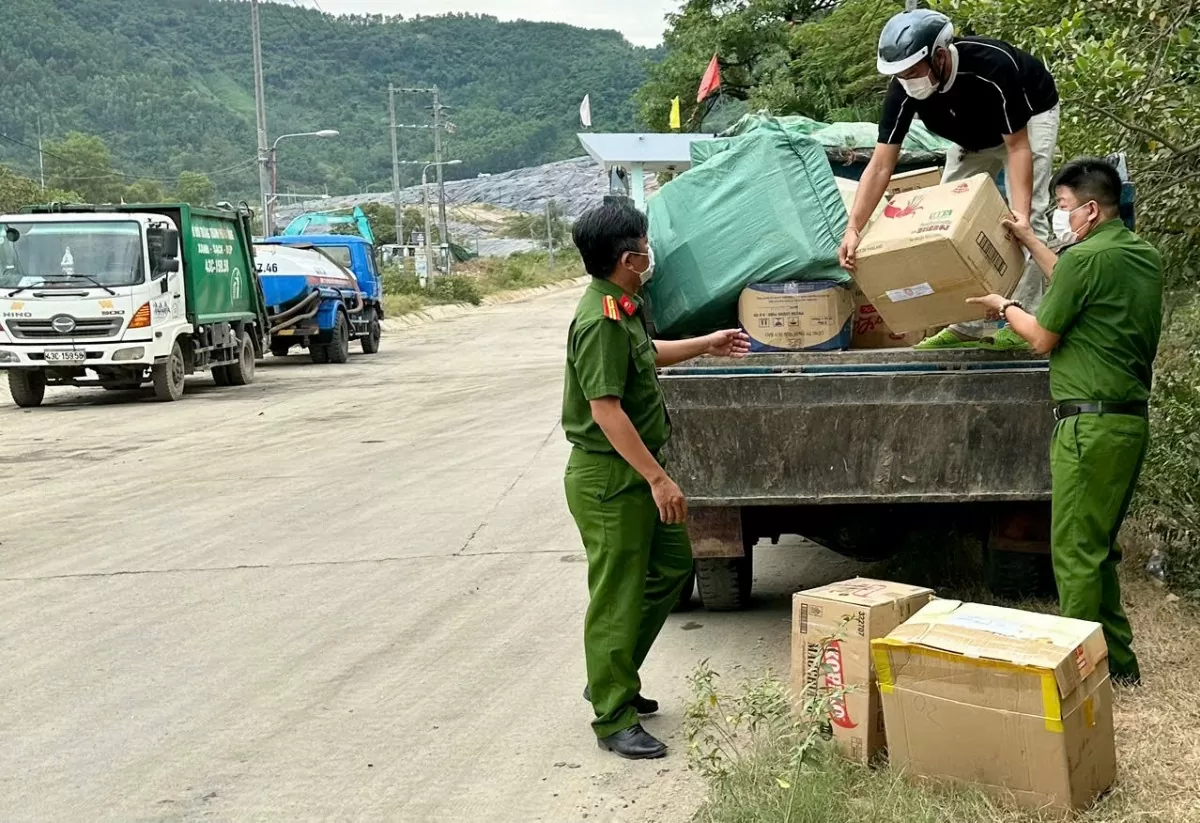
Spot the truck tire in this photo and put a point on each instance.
(1019, 575)
(28, 388)
(339, 347)
(280, 349)
(318, 352)
(169, 376)
(725, 582)
(370, 341)
(241, 373)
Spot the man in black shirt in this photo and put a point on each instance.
(996, 103)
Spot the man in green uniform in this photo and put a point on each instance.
(1100, 322)
(629, 511)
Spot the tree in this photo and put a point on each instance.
(16, 192)
(1129, 77)
(145, 191)
(81, 162)
(194, 188)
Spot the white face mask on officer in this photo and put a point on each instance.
(645, 276)
(1061, 223)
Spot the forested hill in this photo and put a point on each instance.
(168, 85)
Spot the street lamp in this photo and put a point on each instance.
(269, 205)
(429, 219)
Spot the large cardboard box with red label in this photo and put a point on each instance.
(931, 249)
(1017, 703)
(832, 629)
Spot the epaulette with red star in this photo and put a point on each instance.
(627, 305)
(610, 308)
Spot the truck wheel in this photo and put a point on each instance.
(28, 388)
(280, 349)
(169, 376)
(725, 582)
(1019, 575)
(339, 347)
(241, 373)
(370, 343)
(319, 353)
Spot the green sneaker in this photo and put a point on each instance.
(1004, 340)
(946, 339)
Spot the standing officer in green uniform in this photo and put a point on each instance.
(629, 511)
(1100, 322)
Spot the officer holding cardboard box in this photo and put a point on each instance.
(996, 103)
(1100, 323)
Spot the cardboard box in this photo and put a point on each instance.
(913, 180)
(870, 332)
(932, 249)
(1017, 703)
(842, 619)
(797, 316)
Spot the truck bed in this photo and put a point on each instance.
(873, 426)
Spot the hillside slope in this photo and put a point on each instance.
(168, 84)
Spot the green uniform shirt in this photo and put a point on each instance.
(611, 358)
(1105, 300)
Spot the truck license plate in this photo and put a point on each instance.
(66, 356)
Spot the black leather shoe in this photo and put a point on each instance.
(644, 705)
(634, 743)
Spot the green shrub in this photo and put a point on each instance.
(1169, 493)
(455, 288)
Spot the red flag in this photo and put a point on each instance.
(711, 81)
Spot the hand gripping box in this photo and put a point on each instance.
(1017, 703)
(832, 629)
(933, 248)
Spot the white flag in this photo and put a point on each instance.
(585, 111)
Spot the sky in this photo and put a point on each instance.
(641, 21)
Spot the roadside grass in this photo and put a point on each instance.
(476, 279)
(1157, 735)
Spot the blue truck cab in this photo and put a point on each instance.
(330, 314)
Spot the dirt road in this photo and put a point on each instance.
(341, 593)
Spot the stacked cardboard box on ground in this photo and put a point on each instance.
(1016, 703)
(832, 629)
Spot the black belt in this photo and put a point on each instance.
(1137, 408)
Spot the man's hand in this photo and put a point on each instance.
(672, 505)
(1022, 229)
(848, 251)
(993, 303)
(728, 343)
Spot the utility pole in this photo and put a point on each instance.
(395, 166)
(437, 158)
(428, 227)
(260, 105)
(41, 157)
(550, 232)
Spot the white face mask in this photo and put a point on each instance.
(645, 276)
(919, 88)
(1061, 223)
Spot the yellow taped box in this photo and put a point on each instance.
(933, 248)
(1017, 703)
(832, 629)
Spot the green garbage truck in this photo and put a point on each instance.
(120, 296)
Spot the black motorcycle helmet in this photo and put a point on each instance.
(910, 37)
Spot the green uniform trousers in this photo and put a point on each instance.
(1095, 461)
(637, 567)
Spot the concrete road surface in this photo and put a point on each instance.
(344, 592)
